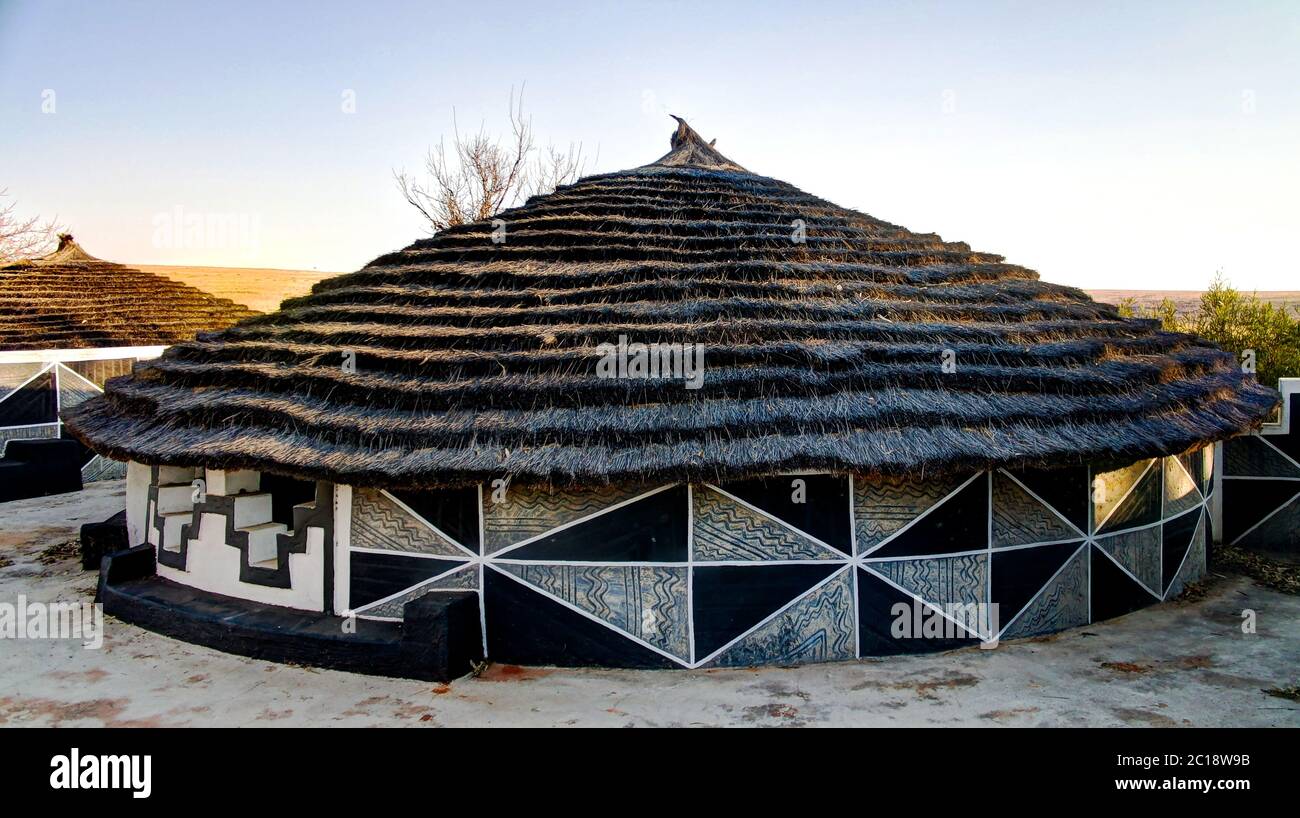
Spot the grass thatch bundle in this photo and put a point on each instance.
(477, 358)
(70, 299)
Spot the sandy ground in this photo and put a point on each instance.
(1181, 663)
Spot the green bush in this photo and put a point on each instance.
(1237, 322)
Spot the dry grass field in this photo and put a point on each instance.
(1187, 299)
(264, 289)
(258, 288)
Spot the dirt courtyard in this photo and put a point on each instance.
(1177, 664)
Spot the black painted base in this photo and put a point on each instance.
(439, 641)
(36, 468)
(98, 539)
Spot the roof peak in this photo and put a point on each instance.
(690, 150)
(68, 252)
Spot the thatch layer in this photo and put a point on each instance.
(476, 359)
(71, 300)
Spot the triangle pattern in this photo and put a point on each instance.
(1062, 603)
(1065, 490)
(957, 580)
(883, 505)
(648, 602)
(1140, 507)
(1252, 456)
(651, 529)
(1193, 567)
(33, 403)
(1290, 442)
(1207, 470)
(1112, 592)
(816, 504)
(882, 631)
(13, 376)
(454, 512)
(381, 524)
(1176, 538)
(1019, 519)
(374, 577)
(1019, 574)
(462, 579)
(1247, 502)
(959, 523)
(73, 389)
(817, 628)
(1180, 490)
(530, 511)
(1139, 552)
(1194, 463)
(730, 600)
(1279, 532)
(527, 627)
(1110, 488)
(726, 530)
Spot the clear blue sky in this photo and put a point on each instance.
(1127, 145)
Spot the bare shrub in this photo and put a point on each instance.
(22, 238)
(478, 174)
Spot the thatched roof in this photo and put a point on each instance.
(70, 299)
(476, 359)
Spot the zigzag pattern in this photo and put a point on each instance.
(531, 511)
(726, 530)
(379, 523)
(884, 505)
(820, 627)
(648, 602)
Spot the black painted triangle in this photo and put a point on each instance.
(454, 512)
(525, 627)
(34, 403)
(1021, 573)
(1175, 539)
(1290, 443)
(373, 577)
(887, 630)
(653, 529)
(1113, 592)
(1247, 502)
(729, 600)
(960, 523)
(1065, 490)
(824, 512)
(1141, 506)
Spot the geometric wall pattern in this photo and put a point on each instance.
(1261, 482)
(32, 394)
(786, 570)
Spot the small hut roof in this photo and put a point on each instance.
(70, 299)
(477, 359)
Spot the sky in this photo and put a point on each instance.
(1105, 145)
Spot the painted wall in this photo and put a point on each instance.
(37, 385)
(1260, 475)
(790, 569)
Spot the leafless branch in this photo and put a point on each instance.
(480, 175)
(23, 238)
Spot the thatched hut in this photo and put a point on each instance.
(897, 443)
(70, 321)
